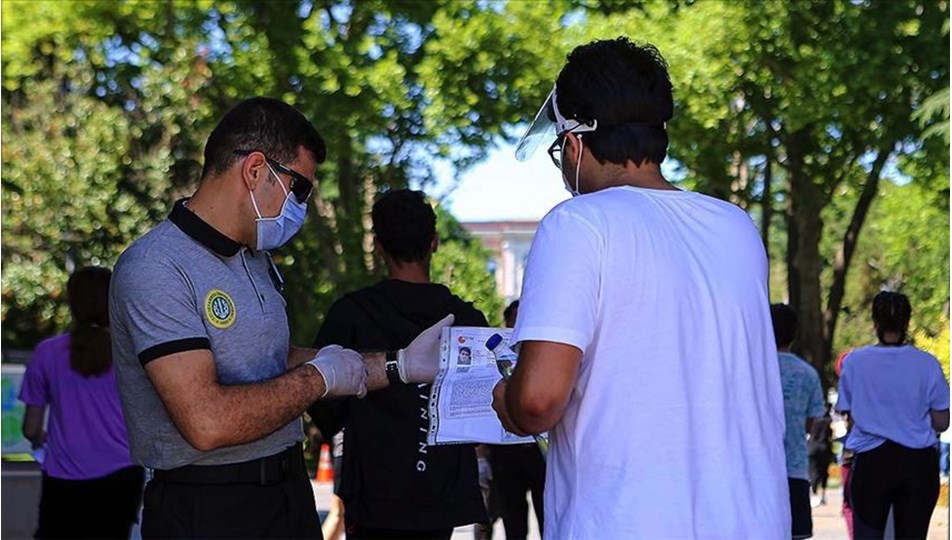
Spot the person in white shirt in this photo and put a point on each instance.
(646, 345)
(898, 398)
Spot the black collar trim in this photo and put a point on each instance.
(202, 232)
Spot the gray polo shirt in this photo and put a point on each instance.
(185, 286)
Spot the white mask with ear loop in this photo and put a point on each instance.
(578, 166)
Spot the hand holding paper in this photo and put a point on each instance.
(461, 401)
(505, 362)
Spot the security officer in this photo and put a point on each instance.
(211, 389)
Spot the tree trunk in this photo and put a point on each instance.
(766, 205)
(844, 255)
(805, 262)
(793, 276)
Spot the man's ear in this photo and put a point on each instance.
(570, 150)
(435, 243)
(378, 248)
(254, 170)
(572, 142)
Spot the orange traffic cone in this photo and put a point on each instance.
(325, 470)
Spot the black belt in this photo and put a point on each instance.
(264, 471)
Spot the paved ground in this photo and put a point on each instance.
(322, 494)
(21, 485)
(828, 523)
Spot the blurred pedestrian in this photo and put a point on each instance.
(517, 470)
(944, 439)
(820, 446)
(802, 404)
(846, 456)
(644, 312)
(91, 488)
(898, 398)
(333, 525)
(392, 483)
(484, 530)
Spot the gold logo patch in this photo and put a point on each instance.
(220, 309)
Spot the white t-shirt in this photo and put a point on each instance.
(889, 392)
(675, 426)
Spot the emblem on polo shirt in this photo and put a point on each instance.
(220, 308)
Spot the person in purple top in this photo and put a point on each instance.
(91, 489)
(897, 399)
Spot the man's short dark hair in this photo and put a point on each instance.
(784, 324)
(626, 88)
(263, 124)
(405, 224)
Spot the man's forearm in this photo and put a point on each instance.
(375, 362)
(298, 355)
(940, 419)
(530, 418)
(234, 415)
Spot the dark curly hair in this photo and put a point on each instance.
(405, 224)
(784, 320)
(891, 313)
(626, 88)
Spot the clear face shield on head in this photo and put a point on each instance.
(549, 125)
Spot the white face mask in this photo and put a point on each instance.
(274, 232)
(578, 164)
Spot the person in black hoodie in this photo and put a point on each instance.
(393, 485)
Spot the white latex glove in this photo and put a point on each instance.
(420, 361)
(343, 371)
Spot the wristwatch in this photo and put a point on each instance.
(393, 372)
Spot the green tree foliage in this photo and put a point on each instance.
(903, 249)
(937, 345)
(91, 147)
(782, 104)
(106, 106)
(793, 109)
(934, 113)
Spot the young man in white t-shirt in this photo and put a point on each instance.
(647, 350)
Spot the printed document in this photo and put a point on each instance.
(461, 399)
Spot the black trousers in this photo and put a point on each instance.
(800, 512)
(516, 470)
(356, 533)
(820, 470)
(233, 501)
(103, 507)
(892, 475)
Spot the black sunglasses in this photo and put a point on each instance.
(301, 186)
(555, 151)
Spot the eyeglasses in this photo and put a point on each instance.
(301, 186)
(555, 151)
